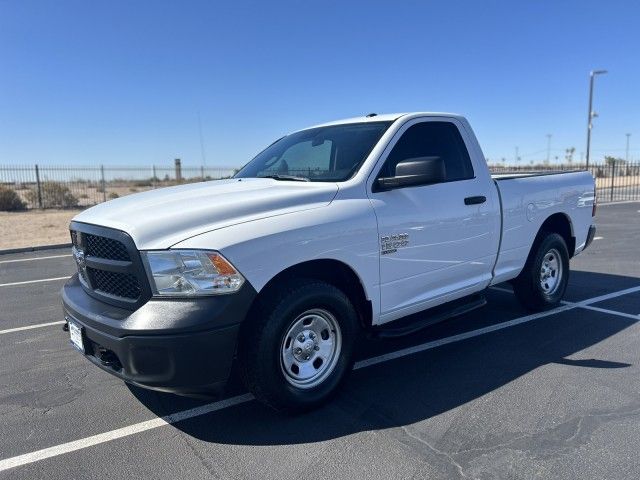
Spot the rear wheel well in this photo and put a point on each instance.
(557, 223)
(333, 272)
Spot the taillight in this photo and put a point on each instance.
(595, 202)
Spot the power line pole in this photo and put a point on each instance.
(592, 114)
(548, 147)
(204, 159)
(627, 155)
(517, 157)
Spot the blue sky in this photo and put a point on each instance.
(123, 82)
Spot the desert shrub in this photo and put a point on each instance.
(133, 190)
(113, 195)
(9, 200)
(144, 183)
(54, 194)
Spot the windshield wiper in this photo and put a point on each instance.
(278, 176)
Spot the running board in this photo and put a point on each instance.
(419, 321)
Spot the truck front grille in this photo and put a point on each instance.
(109, 265)
(119, 284)
(103, 247)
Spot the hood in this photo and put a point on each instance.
(161, 218)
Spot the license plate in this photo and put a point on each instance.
(75, 332)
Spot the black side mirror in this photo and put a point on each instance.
(414, 171)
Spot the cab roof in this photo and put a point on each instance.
(386, 117)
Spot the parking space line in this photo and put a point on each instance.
(457, 338)
(31, 327)
(122, 432)
(86, 442)
(608, 296)
(33, 281)
(611, 312)
(34, 258)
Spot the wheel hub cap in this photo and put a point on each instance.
(551, 272)
(310, 348)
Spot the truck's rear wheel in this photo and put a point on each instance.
(297, 346)
(544, 278)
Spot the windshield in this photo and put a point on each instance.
(322, 154)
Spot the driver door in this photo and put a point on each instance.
(435, 247)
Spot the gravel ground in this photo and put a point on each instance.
(35, 227)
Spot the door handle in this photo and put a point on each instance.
(475, 200)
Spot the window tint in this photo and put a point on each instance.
(432, 139)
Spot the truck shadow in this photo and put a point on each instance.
(420, 386)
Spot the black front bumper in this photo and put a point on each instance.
(174, 345)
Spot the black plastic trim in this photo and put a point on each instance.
(175, 345)
(590, 236)
(135, 266)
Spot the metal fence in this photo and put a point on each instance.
(44, 186)
(615, 181)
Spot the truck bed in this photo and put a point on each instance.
(539, 173)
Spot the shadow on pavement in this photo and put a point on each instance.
(414, 388)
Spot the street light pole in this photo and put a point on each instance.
(627, 155)
(592, 114)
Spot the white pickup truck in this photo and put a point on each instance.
(341, 229)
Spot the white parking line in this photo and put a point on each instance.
(86, 442)
(611, 312)
(34, 258)
(33, 281)
(31, 327)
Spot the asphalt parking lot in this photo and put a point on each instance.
(497, 393)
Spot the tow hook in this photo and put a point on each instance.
(108, 358)
(65, 327)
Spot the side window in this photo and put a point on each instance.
(432, 139)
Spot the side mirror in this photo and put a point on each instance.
(414, 171)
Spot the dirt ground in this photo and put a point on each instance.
(33, 228)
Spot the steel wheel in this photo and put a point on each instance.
(310, 348)
(550, 272)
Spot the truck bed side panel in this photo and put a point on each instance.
(528, 201)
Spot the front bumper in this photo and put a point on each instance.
(174, 345)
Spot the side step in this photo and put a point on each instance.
(419, 321)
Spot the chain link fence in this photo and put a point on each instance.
(40, 186)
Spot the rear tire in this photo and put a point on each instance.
(297, 346)
(543, 280)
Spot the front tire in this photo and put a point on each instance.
(543, 280)
(297, 345)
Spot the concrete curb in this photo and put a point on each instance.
(34, 249)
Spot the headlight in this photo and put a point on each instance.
(191, 273)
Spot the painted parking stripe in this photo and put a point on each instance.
(100, 438)
(33, 281)
(31, 327)
(34, 258)
(611, 312)
(122, 432)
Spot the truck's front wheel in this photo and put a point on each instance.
(544, 278)
(297, 345)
